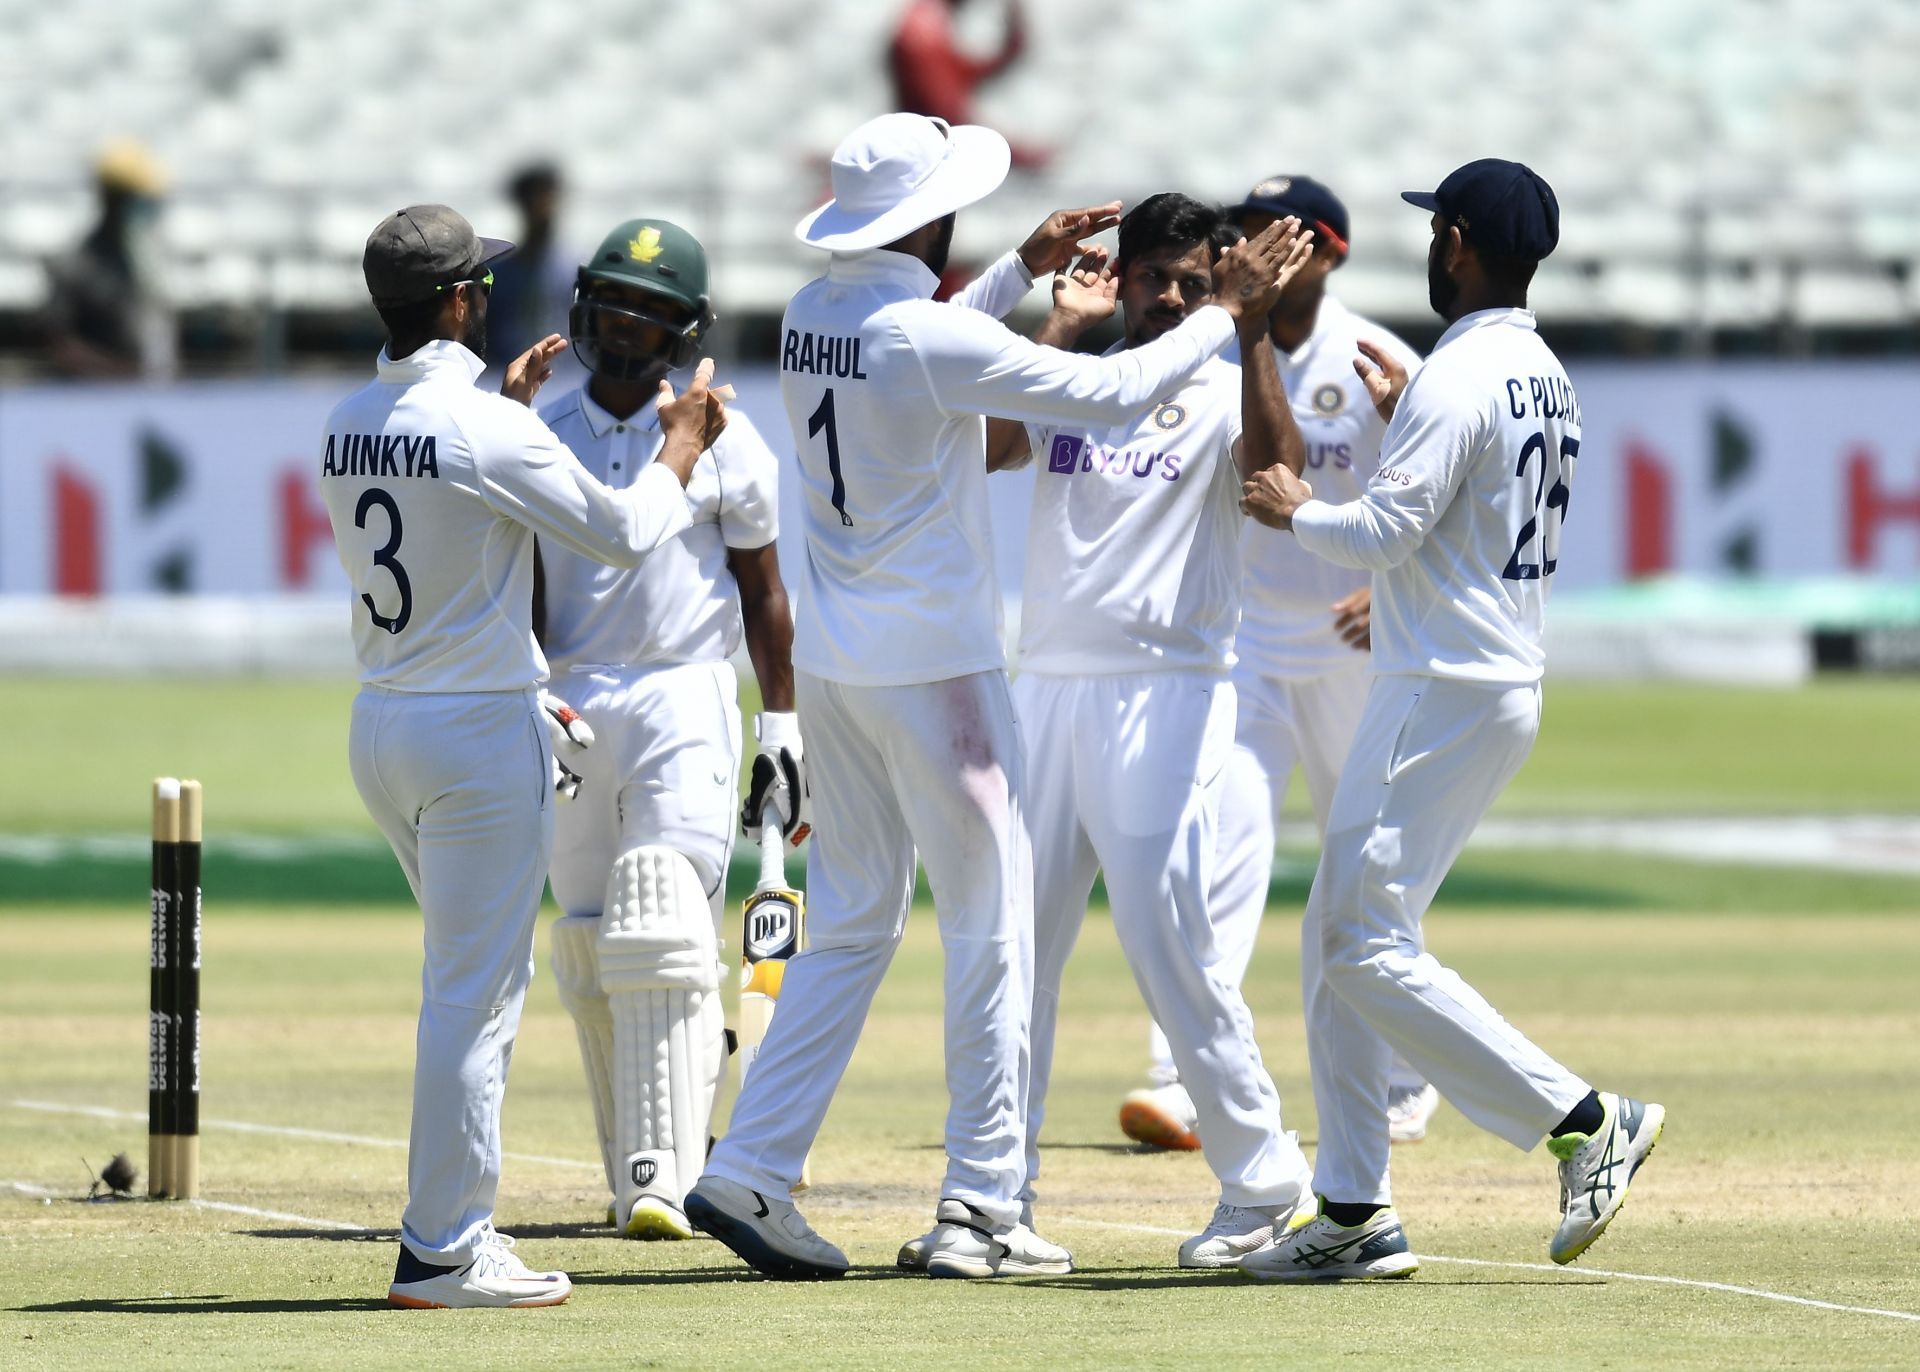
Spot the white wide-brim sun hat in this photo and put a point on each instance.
(900, 171)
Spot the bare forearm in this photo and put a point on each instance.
(1269, 436)
(1008, 446)
(679, 454)
(769, 634)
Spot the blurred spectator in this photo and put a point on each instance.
(532, 289)
(107, 312)
(932, 76)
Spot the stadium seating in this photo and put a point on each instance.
(1718, 165)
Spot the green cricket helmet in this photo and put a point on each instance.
(640, 304)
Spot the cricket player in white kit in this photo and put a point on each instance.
(1126, 637)
(1301, 678)
(1461, 528)
(901, 685)
(435, 490)
(643, 653)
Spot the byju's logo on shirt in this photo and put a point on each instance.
(1071, 453)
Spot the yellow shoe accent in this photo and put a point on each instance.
(653, 1218)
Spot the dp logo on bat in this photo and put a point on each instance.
(771, 927)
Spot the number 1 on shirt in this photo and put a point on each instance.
(822, 418)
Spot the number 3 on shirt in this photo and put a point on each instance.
(1555, 499)
(383, 557)
(822, 418)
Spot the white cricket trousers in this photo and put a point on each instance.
(1125, 780)
(1430, 757)
(459, 784)
(1281, 720)
(664, 769)
(939, 765)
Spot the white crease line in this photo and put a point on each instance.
(33, 1189)
(278, 1130)
(324, 1136)
(1756, 1292)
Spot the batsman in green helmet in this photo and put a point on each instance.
(644, 654)
(640, 304)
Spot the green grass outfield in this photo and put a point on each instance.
(273, 753)
(1784, 1049)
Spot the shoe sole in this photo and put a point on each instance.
(656, 1222)
(1394, 1268)
(752, 1249)
(1154, 1127)
(1214, 1264)
(1620, 1202)
(404, 1302)
(949, 1268)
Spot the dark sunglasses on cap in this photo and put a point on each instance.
(485, 283)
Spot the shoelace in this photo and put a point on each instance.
(1226, 1216)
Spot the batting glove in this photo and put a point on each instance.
(780, 771)
(570, 736)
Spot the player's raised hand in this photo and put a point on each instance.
(1273, 495)
(527, 373)
(697, 413)
(1248, 277)
(1385, 378)
(1353, 619)
(1088, 292)
(1052, 246)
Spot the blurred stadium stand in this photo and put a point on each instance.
(1734, 176)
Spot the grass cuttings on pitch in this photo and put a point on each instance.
(273, 753)
(1784, 1051)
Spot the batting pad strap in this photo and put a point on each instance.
(576, 967)
(656, 926)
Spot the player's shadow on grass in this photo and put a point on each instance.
(1153, 1279)
(691, 1276)
(202, 1305)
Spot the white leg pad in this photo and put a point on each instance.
(576, 971)
(659, 966)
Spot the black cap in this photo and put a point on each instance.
(1504, 207)
(415, 251)
(1316, 206)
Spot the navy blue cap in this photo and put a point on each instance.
(1317, 207)
(1504, 207)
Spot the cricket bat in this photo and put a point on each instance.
(773, 925)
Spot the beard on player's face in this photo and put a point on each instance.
(1442, 289)
(474, 336)
(941, 247)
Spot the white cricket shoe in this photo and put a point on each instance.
(1237, 1230)
(1409, 1110)
(767, 1232)
(655, 1217)
(495, 1277)
(1161, 1117)
(913, 1253)
(965, 1243)
(1314, 1248)
(1596, 1169)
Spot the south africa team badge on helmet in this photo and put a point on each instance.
(640, 304)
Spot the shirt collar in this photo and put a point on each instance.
(441, 355)
(1325, 321)
(1481, 319)
(879, 264)
(601, 421)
